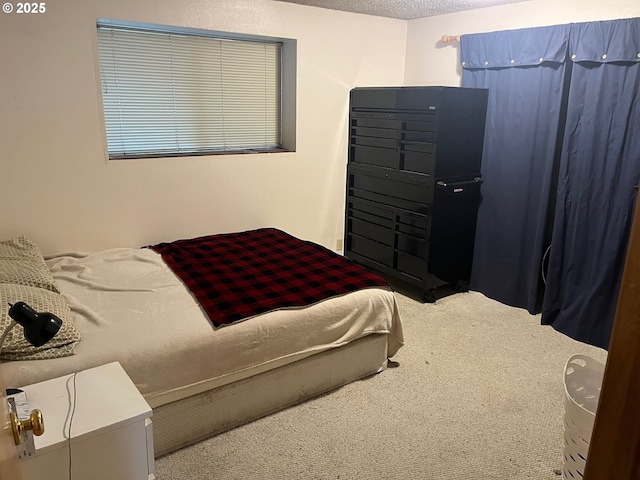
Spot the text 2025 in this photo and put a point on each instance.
(31, 7)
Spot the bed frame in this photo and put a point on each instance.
(195, 418)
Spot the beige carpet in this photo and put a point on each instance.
(477, 394)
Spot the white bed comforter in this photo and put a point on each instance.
(130, 307)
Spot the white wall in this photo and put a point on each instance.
(58, 188)
(431, 62)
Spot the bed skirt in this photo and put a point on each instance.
(187, 421)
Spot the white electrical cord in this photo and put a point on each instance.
(546, 252)
(70, 413)
(6, 332)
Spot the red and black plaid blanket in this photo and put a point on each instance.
(235, 276)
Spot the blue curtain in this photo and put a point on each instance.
(524, 72)
(599, 170)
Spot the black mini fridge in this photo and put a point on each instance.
(414, 182)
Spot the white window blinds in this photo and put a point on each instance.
(167, 93)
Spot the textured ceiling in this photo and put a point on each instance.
(403, 9)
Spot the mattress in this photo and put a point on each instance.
(131, 308)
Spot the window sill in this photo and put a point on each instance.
(202, 154)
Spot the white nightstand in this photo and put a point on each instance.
(111, 433)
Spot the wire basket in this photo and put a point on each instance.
(582, 384)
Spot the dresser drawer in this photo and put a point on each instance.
(417, 146)
(413, 245)
(407, 160)
(424, 124)
(394, 188)
(416, 99)
(356, 213)
(413, 187)
(371, 249)
(421, 162)
(363, 209)
(430, 137)
(378, 156)
(375, 142)
(375, 132)
(370, 230)
(375, 121)
(420, 223)
(412, 265)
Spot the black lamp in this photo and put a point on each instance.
(39, 328)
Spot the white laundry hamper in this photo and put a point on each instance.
(582, 384)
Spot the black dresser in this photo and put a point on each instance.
(413, 182)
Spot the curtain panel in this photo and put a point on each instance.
(597, 125)
(599, 170)
(524, 71)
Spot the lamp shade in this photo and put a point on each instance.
(39, 328)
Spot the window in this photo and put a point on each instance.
(180, 92)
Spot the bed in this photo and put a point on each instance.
(202, 372)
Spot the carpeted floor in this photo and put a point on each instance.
(477, 393)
